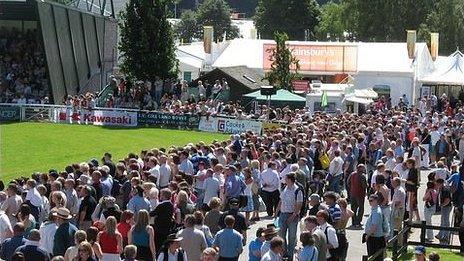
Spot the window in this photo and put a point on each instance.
(188, 76)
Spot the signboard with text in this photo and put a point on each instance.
(319, 58)
(300, 86)
(96, 117)
(8, 113)
(226, 125)
(153, 118)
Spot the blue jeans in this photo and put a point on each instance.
(292, 228)
(445, 222)
(334, 184)
(428, 213)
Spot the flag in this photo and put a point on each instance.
(324, 99)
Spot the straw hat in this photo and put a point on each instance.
(62, 213)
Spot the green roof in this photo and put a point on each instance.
(282, 95)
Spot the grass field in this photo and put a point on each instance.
(31, 147)
(445, 254)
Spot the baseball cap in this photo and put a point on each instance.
(419, 250)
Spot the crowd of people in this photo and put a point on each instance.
(23, 76)
(197, 202)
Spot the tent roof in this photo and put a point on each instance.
(449, 71)
(282, 95)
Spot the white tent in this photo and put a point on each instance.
(449, 71)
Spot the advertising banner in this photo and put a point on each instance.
(270, 126)
(226, 125)
(301, 86)
(153, 118)
(10, 113)
(319, 58)
(96, 117)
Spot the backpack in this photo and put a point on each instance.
(304, 205)
(180, 255)
(334, 252)
(324, 159)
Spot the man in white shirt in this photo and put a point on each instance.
(34, 198)
(6, 230)
(336, 172)
(291, 201)
(164, 173)
(398, 205)
(154, 167)
(270, 192)
(212, 186)
(47, 234)
(329, 231)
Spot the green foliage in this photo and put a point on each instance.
(446, 19)
(188, 27)
(291, 17)
(332, 25)
(284, 66)
(216, 13)
(147, 43)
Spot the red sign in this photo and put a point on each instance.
(301, 85)
(319, 58)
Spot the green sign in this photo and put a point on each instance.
(10, 113)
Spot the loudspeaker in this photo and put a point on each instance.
(268, 90)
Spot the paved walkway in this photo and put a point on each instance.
(356, 249)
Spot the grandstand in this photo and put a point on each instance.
(74, 49)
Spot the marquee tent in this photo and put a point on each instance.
(282, 97)
(449, 71)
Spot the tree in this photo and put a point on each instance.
(285, 66)
(188, 28)
(147, 43)
(446, 19)
(216, 13)
(292, 17)
(332, 26)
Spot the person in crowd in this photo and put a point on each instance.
(420, 253)
(309, 251)
(85, 252)
(9, 246)
(138, 201)
(194, 241)
(6, 230)
(315, 204)
(239, 220)
(330, 234)
(334, 210)
(412, 184)
(200, 225)
(31, 249)
(320, 239)
(374, 233)
(254, 248)
(64, 235)
(234, 185)
(445, 207)
(212, 217)
(142, 236)
(125, 224)
(110, 241)
(11, 205)
(130, 253)
(92, 234)
(290, 204)
(172, 250)
(276, 250)
(163, 217)
(357, 182)
(71, 252)
(86, 207)
(398, 205)
(209, 254)
(270, 191)
(47, 232)
(228, 241)
(341, 232)
(430, 207)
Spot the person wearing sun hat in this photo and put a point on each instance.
(64, 236)
(172, 249)
(419, 253)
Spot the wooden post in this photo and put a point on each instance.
(422, 233)
(395, 245)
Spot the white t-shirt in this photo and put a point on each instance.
(5, 225)
(211, 186)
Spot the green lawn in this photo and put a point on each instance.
(445, 254)
(31, 147)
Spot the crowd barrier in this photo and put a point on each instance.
(118, 117)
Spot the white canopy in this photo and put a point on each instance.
(356, 99)
(450, 71)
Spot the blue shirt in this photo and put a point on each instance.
(335, 212)
(399, 151)
(375, 219)
(254, 246)
(107, 185)
(309, 253)
(9, 246)
(138, 203)
(229, 242)
(234, 186)
(186, 166)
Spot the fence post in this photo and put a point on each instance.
(365, 258)
(422, 233)
(395, 245)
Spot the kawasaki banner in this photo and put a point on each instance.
(96, 117)
(10, 113)
(153, 118)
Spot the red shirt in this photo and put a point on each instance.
(124, 228)
(108, 243)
